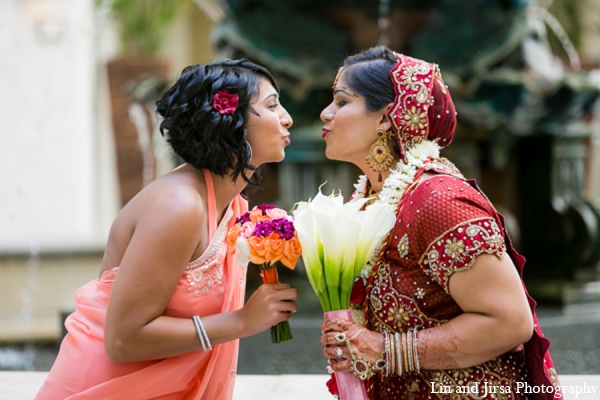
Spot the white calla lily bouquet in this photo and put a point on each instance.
(337, 240)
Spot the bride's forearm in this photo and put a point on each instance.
(467, 340)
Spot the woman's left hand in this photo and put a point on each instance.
(364, 343)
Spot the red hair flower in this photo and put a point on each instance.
(225, 102)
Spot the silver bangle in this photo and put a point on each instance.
(416, 351)
(201, 333)
(205, 334)
(387, 353)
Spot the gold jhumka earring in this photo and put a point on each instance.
(380, 156)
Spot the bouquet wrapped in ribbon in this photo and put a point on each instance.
(337, 240)
(266, 236)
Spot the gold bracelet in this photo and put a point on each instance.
(398, 354)
(404, 352)
(355, 362)
(361, 367)
(393, 351)
(410, 352)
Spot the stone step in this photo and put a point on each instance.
(24, 386)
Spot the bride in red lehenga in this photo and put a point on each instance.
(440, 310)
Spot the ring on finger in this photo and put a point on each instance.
(340, 338)
(339, 352)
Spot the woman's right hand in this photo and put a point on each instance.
(366, 344)
(268, 305)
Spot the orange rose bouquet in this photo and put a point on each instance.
(266, 236)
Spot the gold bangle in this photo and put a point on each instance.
(404, 352)
(393, 360)
(398, 345)
(410, 350)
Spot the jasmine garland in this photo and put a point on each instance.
(394, 187)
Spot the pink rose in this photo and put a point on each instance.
(276, 213)
(225, 102)
(247, 229)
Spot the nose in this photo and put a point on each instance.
(286, 120)
(327, 115)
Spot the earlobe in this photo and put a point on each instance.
(385, 123)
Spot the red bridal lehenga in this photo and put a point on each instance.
(212, 284)
(443, 224)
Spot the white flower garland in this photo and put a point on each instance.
(395, 185)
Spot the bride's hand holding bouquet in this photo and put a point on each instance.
(339, 240)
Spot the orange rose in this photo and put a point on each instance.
(257, 215)
(292, 251)
(259, 250)
(276, 247)
(232, 235)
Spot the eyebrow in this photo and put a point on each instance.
(271, 95)
(343, 91)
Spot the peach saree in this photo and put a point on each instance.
(211, 284)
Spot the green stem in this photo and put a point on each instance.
(281, 332)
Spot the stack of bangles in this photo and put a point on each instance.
(202, 333)
(401, 353)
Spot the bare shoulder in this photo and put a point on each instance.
(173, 200)
(172, 205)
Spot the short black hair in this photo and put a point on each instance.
(368, 74)
(198, 133)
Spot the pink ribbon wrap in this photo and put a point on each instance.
(349, 385)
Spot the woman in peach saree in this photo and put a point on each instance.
(164, 319)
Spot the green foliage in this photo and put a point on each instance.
(142, 24)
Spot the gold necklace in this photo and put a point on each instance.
(372, 193)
